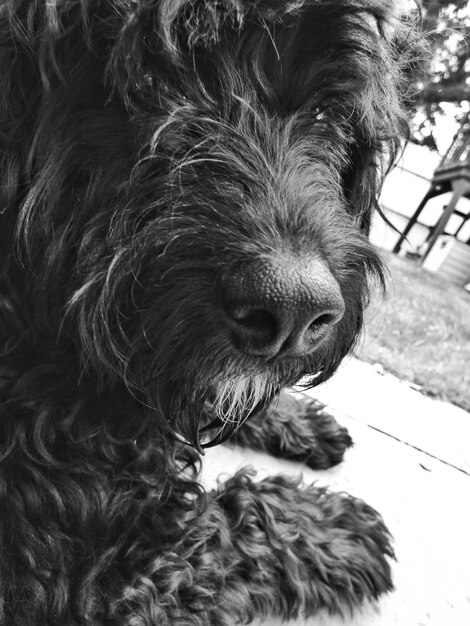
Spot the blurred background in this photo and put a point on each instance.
(421, 332)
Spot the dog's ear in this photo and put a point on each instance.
(382, 111)
(45, 50)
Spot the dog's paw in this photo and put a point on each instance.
(356, 547)
(299, 429)
(320, 550)
(328, 440)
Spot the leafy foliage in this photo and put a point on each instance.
(445, 90)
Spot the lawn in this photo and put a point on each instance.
(421, 332)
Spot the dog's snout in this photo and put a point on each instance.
(283, 307)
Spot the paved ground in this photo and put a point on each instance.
(412, 462)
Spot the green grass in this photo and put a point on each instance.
(421, 332)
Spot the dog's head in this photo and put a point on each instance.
(191, 184)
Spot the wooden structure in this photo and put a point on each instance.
(452, 174)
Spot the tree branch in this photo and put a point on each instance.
(434, 93)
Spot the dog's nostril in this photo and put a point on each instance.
(253, 326)
(323, 320)
(257, 320)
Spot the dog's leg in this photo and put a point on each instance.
(257, 549)
(296, 428)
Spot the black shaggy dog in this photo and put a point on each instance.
(186, 189)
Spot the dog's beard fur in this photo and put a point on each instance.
(233, 401)
(235, 397)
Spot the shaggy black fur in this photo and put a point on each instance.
(296, 429)
(157, 155)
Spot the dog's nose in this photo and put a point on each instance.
(282, 307)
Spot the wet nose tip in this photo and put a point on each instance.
(281, 308)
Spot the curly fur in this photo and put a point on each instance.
(296, 429)
(148, 148)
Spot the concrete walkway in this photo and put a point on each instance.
(411, 461)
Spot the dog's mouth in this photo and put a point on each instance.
(230, 403)
(209, 408)
(227, 409)
(217, 430)
(219, 410)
